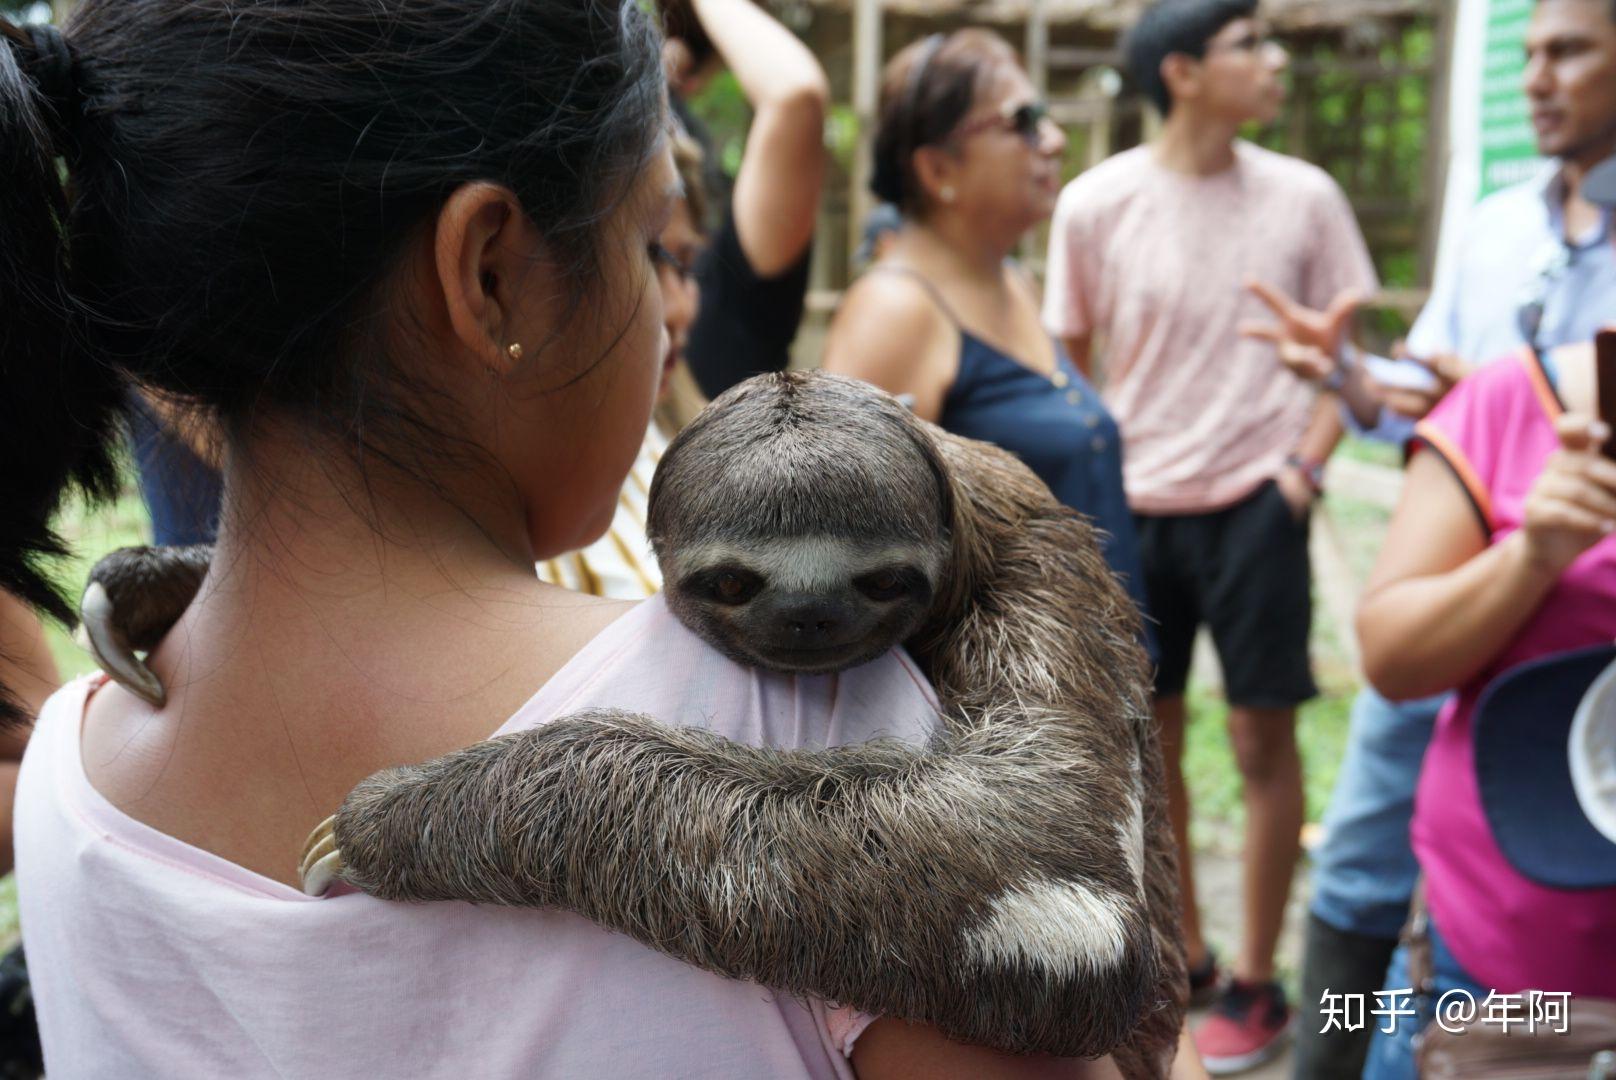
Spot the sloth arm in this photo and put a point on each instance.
(877, 875)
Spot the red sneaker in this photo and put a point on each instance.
(1248, 1026)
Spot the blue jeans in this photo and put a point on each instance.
(1391, 1056)
(1364, 871)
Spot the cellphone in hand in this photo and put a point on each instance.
(1401, 374)
(1605, 385)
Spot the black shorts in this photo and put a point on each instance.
(1245, 572)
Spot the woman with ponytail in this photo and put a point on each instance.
(403, 254)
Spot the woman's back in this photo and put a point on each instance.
(154, 957)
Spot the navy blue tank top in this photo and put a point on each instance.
(1056, 424)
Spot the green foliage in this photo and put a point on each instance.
(723, 108)
(92, 533)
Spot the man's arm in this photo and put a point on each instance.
(776, 198)
(1296, 481)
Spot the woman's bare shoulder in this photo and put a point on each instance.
(892, 332)
(893, 300)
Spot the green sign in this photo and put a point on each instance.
(1508, 151)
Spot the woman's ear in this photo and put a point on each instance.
(677, 61)
(934, 172)
(482, 247)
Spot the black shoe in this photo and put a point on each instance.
(1205, 981)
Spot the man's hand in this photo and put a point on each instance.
(1308, 341)
(1415, 404)
(1297, 490)
(1307, 362)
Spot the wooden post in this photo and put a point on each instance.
(1037, 51)
(1437, 149)
(867, 51)
(1038, 47)
(1102, 129)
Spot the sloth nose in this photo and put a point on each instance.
(811, 623)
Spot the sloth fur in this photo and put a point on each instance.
(1013, 882)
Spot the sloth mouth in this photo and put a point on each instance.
(817, 660)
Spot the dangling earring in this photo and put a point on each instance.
(947, 193)
(514, 350)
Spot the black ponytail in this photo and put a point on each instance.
(58, 401)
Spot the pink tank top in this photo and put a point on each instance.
(154, 958)
(1496, 431)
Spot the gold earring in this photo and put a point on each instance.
(514, 349)
(947, 193)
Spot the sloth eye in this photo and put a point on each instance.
(883, 585)
(734, 587)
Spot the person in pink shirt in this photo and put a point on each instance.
(1502, 551)
(406, 252)
(1149, 256)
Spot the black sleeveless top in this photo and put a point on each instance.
(1056, 424)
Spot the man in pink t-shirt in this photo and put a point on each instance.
(1149, 258)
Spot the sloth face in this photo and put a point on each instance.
(804, 605)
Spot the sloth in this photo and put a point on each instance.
(1012, 882)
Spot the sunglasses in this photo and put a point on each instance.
(1026, 121)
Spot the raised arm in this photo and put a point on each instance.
(776, 197)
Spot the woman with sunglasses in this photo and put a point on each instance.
(965, 150)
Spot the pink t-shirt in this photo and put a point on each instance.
(1496, 430)
(1152, 263)
(154, 958)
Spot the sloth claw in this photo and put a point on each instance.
(112, 650)
(322, 861)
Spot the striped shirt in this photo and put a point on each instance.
(619, 565)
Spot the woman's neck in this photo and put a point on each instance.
(343, 627)
(375, 592)
(954, 245)
(311, 512)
